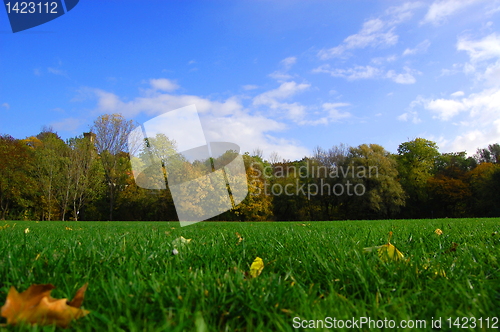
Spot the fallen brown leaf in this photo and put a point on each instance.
(36, 306)
(453, 248)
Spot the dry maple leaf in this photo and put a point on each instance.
(36, 306)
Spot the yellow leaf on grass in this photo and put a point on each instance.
(438, 231)
(180, 241)
(387, 251)
(256, 267)
(437, 270)
(239, 238)
(36, 306)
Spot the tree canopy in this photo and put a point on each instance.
(90, 177)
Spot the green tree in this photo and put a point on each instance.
(449, 193)
(484, 183)
(488, 155)
(16, 186)
(50, 161)
(111, 134)
(372, 189)
(449, 189)
(288, 189)
(257, 206)
(162, 153)
(416, 161)
(326, 168)
(85, 175)
(452, 161)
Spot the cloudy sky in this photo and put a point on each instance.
(282, 76)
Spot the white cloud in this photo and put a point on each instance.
(251, 132)
(107, 101)
(295, 111)
(288, 62)
(471, 140)
(282, 75)
(457, 94)
(492, 74)
(56, 71)
(481, 125)
(163, 84)
(403, 117)
(285, 90)
(157, 103)
(484, 107)
(484, 55)
(69, 124)
(333, 111)
(6, 105)
(440, 10)
(455, 68)
(381, 60)
(330, 112)
(492, 8)
(402, 78)
(225, 120)
(480, 50)
(367, 72)
(445, 108)
(374, 32)
(478, 114)
(357, 72)
(403, 12)
(250, 87)
(410, 115)
(333, 52)
(420, 48)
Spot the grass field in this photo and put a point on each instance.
(313, 270)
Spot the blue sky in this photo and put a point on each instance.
(282, 76)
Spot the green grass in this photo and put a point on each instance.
(313, 270)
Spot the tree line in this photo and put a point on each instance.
(90, 177)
